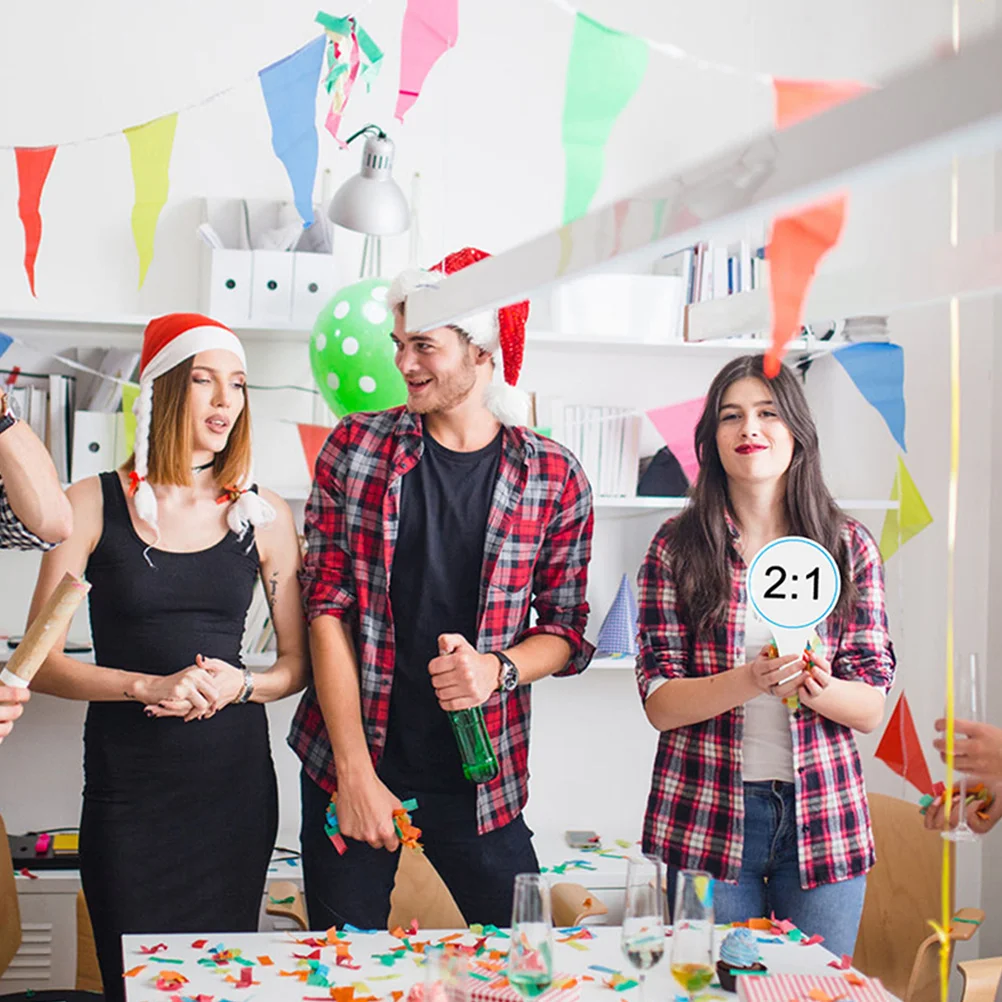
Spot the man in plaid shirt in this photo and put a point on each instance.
(431, 530)
(34, 515)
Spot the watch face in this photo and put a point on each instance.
(509, 678)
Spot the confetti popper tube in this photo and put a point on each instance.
(46, 629)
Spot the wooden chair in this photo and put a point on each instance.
(981, 979)
(418, 893)
(88, 977)
(902, 896)
(572, 904)
(10, 913)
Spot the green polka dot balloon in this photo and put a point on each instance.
(351, 352)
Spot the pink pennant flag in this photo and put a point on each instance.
(430, 28)
(676, 424)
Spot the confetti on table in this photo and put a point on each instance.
(166, 960)
(153, 949)
(134, 971)
(760, 924)
(812, 940)
(620, 983)
(25, 872)
(265, 961)
(199, 944)
(854, 979)
(841, 965)
(169, 981)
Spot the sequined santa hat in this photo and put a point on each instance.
(495, 331)
(168, 341)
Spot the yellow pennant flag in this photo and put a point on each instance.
(150, 147)
(911, 517)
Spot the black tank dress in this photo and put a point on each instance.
(179, 820)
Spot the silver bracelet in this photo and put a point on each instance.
(248, 689)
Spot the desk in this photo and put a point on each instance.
(373, 978)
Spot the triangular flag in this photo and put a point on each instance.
(604, 72)
(796, 246)
(901, 749)
(911, 517)
(150, 147)
(5, 342)
(798, 242)
(618, 634)
(312, 437)
(130, 391)
(799, 99)
(290, 95)
(878, 370)
(32, 170)
(430, 28)
(676, 424)
(351, 54)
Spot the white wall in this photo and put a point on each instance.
(486, 139)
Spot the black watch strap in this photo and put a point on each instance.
(509, 677)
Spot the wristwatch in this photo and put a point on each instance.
(7, 418)
(509, 677)
(245, 692)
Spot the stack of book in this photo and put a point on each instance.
(46, 403)
(606, 440)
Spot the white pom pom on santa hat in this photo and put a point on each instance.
(496, 331)
(168, 341)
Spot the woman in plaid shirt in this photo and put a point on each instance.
(757, 778)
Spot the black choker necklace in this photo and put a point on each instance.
(204, 466)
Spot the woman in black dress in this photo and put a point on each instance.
(180, 799)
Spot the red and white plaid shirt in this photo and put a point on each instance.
(695, 811)
(536, 553)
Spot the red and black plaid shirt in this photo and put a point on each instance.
(695, 812)
(536, 552)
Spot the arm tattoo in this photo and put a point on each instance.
(273, 591)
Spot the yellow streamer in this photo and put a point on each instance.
(150, 147)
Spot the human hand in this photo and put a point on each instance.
(817, 675)
(365, 807)
(227, 681)
(979, 754)
(462, 678)
(935, 815)
(774, 675)
(12, 702)
(190, 693)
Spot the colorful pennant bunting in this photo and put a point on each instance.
(290, 95)
(430, 28)
(604, 72)
(150, 148)
(351, 55)
(800, 99)
(878, 370)
(911, 517)
(901, 750)
(32, 170)
(676, 424)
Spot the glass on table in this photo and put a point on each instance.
(530, 956)
(643, 933)
(968, 704)
(692, 932)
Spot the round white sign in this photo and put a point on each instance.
(793, 584)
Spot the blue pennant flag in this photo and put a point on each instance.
(618, 635)
(5, 342)
(290, 94)
(878, 370)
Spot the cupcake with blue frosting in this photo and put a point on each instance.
(738, 954)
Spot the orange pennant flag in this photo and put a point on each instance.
(799, 99)
(312, 438)
(798, 242)
(796, 245)
(32, 170)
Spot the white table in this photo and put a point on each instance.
(375, 979)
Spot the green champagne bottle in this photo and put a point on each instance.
(480, 764)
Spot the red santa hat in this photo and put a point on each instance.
(168, 341)
(496, 331)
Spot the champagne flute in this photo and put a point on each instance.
(643, 934)
(530, 957)
(692, 936)
(969, 704)
(446, 972)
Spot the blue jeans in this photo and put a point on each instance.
(770, 876)
(355, 888)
